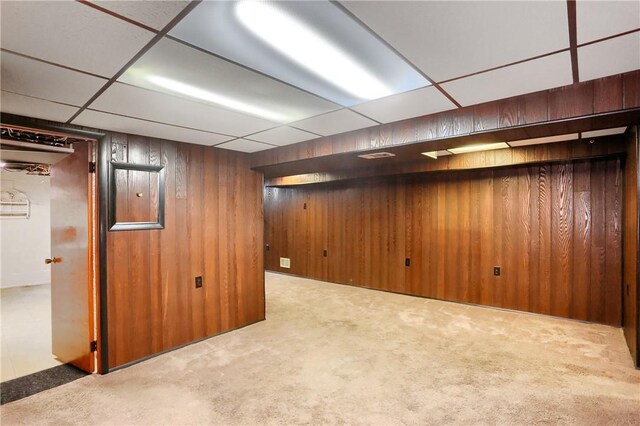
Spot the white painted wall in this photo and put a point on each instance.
(25, 243)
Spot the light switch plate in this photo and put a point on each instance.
(285, 262)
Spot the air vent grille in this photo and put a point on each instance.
(376, 155)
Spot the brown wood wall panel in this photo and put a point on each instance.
(552, 228)
(213, 229)
(631, 242)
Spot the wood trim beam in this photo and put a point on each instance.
(573, 39)
(595, 104)
(531, 154)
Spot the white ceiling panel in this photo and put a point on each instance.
(599, 19)
(283, 136)
(155, 106)
(531, 76)
(613, 56)
(448, 39)
(101, 120)
(335, 122)
(548, 139)
(237, 86)
(152, 13)
(70, 33)
(41, 80)
(245, 145)
(419, 102)
(37, 108)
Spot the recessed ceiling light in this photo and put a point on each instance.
(308, 49)
(547, 139)
(376, 155)
(431, 154)
(478, 147)
(211, 97)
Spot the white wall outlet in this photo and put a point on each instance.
(285, 262)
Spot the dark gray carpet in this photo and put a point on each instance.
(22, 387)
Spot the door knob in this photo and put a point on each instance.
(53, 260)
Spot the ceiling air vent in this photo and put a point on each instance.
(376, 155)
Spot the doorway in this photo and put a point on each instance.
(48, 294)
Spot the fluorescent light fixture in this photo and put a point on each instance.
(478, 147)
(604, 132)
(547, 139)
(376, 155)
(211, 97)
(308, 49)
(431, 154)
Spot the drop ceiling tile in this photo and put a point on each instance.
(70, 33)
(238, 87)
(282, 136)
(12, 103)
(531, 76)
(547, 139)
(613, 56)
(105, 121)
(155, 106)
(419, 102)
(448, 39)
(245, 145)
(334, 123)
(599, 19)
(152, 13)
(37, 79)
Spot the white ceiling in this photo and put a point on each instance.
(68, 50)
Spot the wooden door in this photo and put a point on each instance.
(72, 301)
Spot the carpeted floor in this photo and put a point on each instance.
(337, 354)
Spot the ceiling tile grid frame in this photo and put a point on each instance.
(71, 34)
(41, 80)
(117, 123)
(146, 104)
(281, 136)
(415, 103)
(526, 77)
(37, 108)
(245, 145)
(447, 39)
(599, 19)
(152, 13)
(613, 56)
(335, 122)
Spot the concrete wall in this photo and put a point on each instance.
(25, 243)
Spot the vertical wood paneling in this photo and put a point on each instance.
(551, 228)
(213, 229)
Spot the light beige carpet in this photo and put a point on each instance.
(336, 354)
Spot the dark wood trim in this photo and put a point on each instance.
(531, 154)
(573, 39)
(116, 15)
(137, 56)
(104, 147)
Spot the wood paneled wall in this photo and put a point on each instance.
(213, 229)
(631, 290)
(554, 229)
